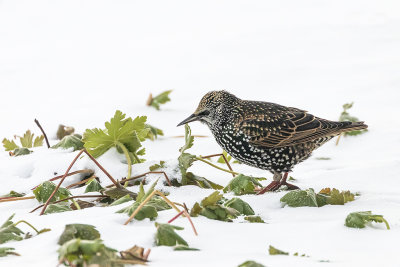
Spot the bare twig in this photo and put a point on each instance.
(8, 199)
(176, 216)
(62, 180)
(80, 182)
(101, 168)
(69, 174)
(68, 198)
(44, 134)
(225, 159)
(141, 175)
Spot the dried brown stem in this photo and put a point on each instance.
(182, 136)
(8, 199)
(80, 182)
(68, 198)
(101, 168)
(176, 216)
(44, 134)
(62, 180)
(225, 159)
(69, 174)
(141, 175)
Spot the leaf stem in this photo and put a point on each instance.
(7, 199)
(23, 221)
(76, 204)
(128, 158)
(225, 159)
(215, 166)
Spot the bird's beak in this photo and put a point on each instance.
(193, 117)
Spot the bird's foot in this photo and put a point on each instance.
(275, 185)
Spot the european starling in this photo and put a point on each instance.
(266, 135)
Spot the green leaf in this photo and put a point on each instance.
(93, 186)
(241, 206)
(183, 247)
(45, 189)
(157, 166)
(166, 235)
(196, 210)
(185, 160)
(154, 132)
(334, 197)
(117, 193)
(121, 200)
(160, 99)
(69, 141)
(250, 264)
(300, 198)
(56, 208)
(254, 219)
(9, 232)
(27, 139)
(211, 199)
(201, 182)
(9, 145)
(221, 158)
(14, 194)
(21, 151)
(275, 251)
(38, 141)
(361, 218)
(345, 116)
(118, 130)
(77, 230)
(242, 184)
(7, 251)
(188, 139)
(77, 252)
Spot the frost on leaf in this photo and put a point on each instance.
(362, 218)
(159, 99)
(166, 235)
(70, 141)
(45, 189)
(242, 184)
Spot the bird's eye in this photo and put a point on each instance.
(204, 113)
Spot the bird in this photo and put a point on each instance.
(266, 135)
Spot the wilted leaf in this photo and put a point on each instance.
(159, 99)
(10, 232)
(21, 151)
(93, 186)
(254, 219)
(116, 193)
(300, 198)
(56, 208)
(81, 231)
(241, 206)
(361, 218)
(166, 235)
(70, 141)
(14, 194)
(334, 197)
(82, 204)
(63, 131)
(201, 182)
(275, 251)
(250, 264)
(242, 184)
(45, 189)
(134, 255)
(8, 251)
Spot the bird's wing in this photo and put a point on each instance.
(286, 127)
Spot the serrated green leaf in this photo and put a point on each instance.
(160, 99)
(45, 189)
(57, 208)
(77, 230)
(69, 141)
(334, 197)
(196, 210)
(211, 199)
(9, 145)
(274, 251)
(250, 264)
(361, 218)
(254, 219)
(93, 186)
(300, 198)
(9, 232)
(241, 206)
(242, 184)
(27, 139)
(157, 166)
(166, 235)
(38, 141)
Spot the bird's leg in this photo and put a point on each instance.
(274, 185)
(277, 183)
(289, 186)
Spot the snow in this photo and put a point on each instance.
(76, 62)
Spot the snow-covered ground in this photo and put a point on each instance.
(76, 62)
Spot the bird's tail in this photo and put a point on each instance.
(348, 126)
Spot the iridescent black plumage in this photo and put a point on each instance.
(265, 135)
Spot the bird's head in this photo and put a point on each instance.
(211, 107)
